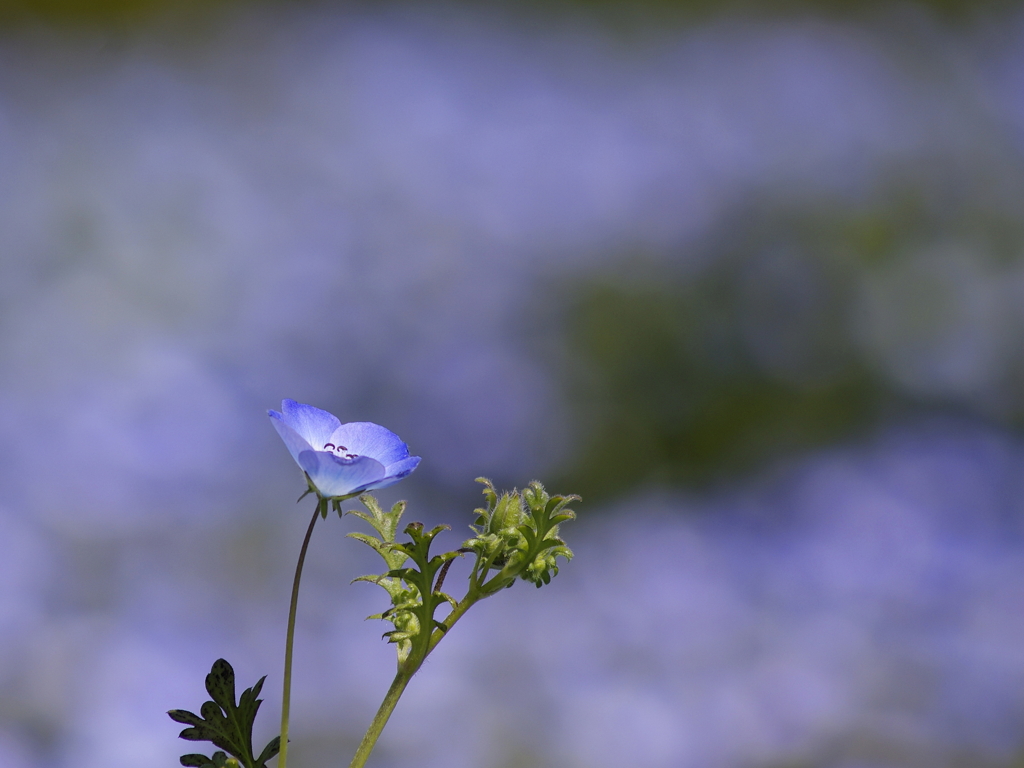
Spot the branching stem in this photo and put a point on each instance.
(405, 673)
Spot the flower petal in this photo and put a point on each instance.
(312, 424)
(394, 473)
(402, 468)
(295, 443)
(334, 476)
(365, 438)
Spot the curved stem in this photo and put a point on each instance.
(457, 613)
(381, 718)
(288, 643)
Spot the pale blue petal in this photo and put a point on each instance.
(295, 443)
(402, 468)
(395, 472)
(363, 438)
(334, 476)
(312, 424)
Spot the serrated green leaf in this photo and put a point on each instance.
(220, 684)
(195, 761)
(372, 521)
(223, 722)
(394, 557)
(272, 748)
(385, 523)
(248, 707)
(371, 541)
(212, 714)
(249, 704)
(370, 577)
(185, 717)
(370, 502)
(200, 733)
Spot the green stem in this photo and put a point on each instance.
(286, 697)
(405, 673)
(449, 622)
(381, 718)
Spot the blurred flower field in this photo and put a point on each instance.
(751, 284)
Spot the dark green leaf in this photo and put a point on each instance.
(269, 751)
(223, 722)
(220, 684)
(249, 705)
(185, 717)
(200, 733)
(211, 712)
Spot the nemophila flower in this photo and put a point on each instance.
(341, 459)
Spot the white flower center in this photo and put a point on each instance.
(340, 450)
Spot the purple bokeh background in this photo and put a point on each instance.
(353, 209)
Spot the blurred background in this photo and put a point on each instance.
(748, 276)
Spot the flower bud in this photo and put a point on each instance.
(508, 513)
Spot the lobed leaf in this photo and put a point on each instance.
(220, 684)
(269, 751)
(223, 722)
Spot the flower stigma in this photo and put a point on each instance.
(340, 450)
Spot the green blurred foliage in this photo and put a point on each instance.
(683, 375)
(666, 390)
(120, 14)
(115, 14)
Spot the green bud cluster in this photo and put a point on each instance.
(517, 534)
(497, 527)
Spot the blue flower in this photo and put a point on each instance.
(341, 459)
